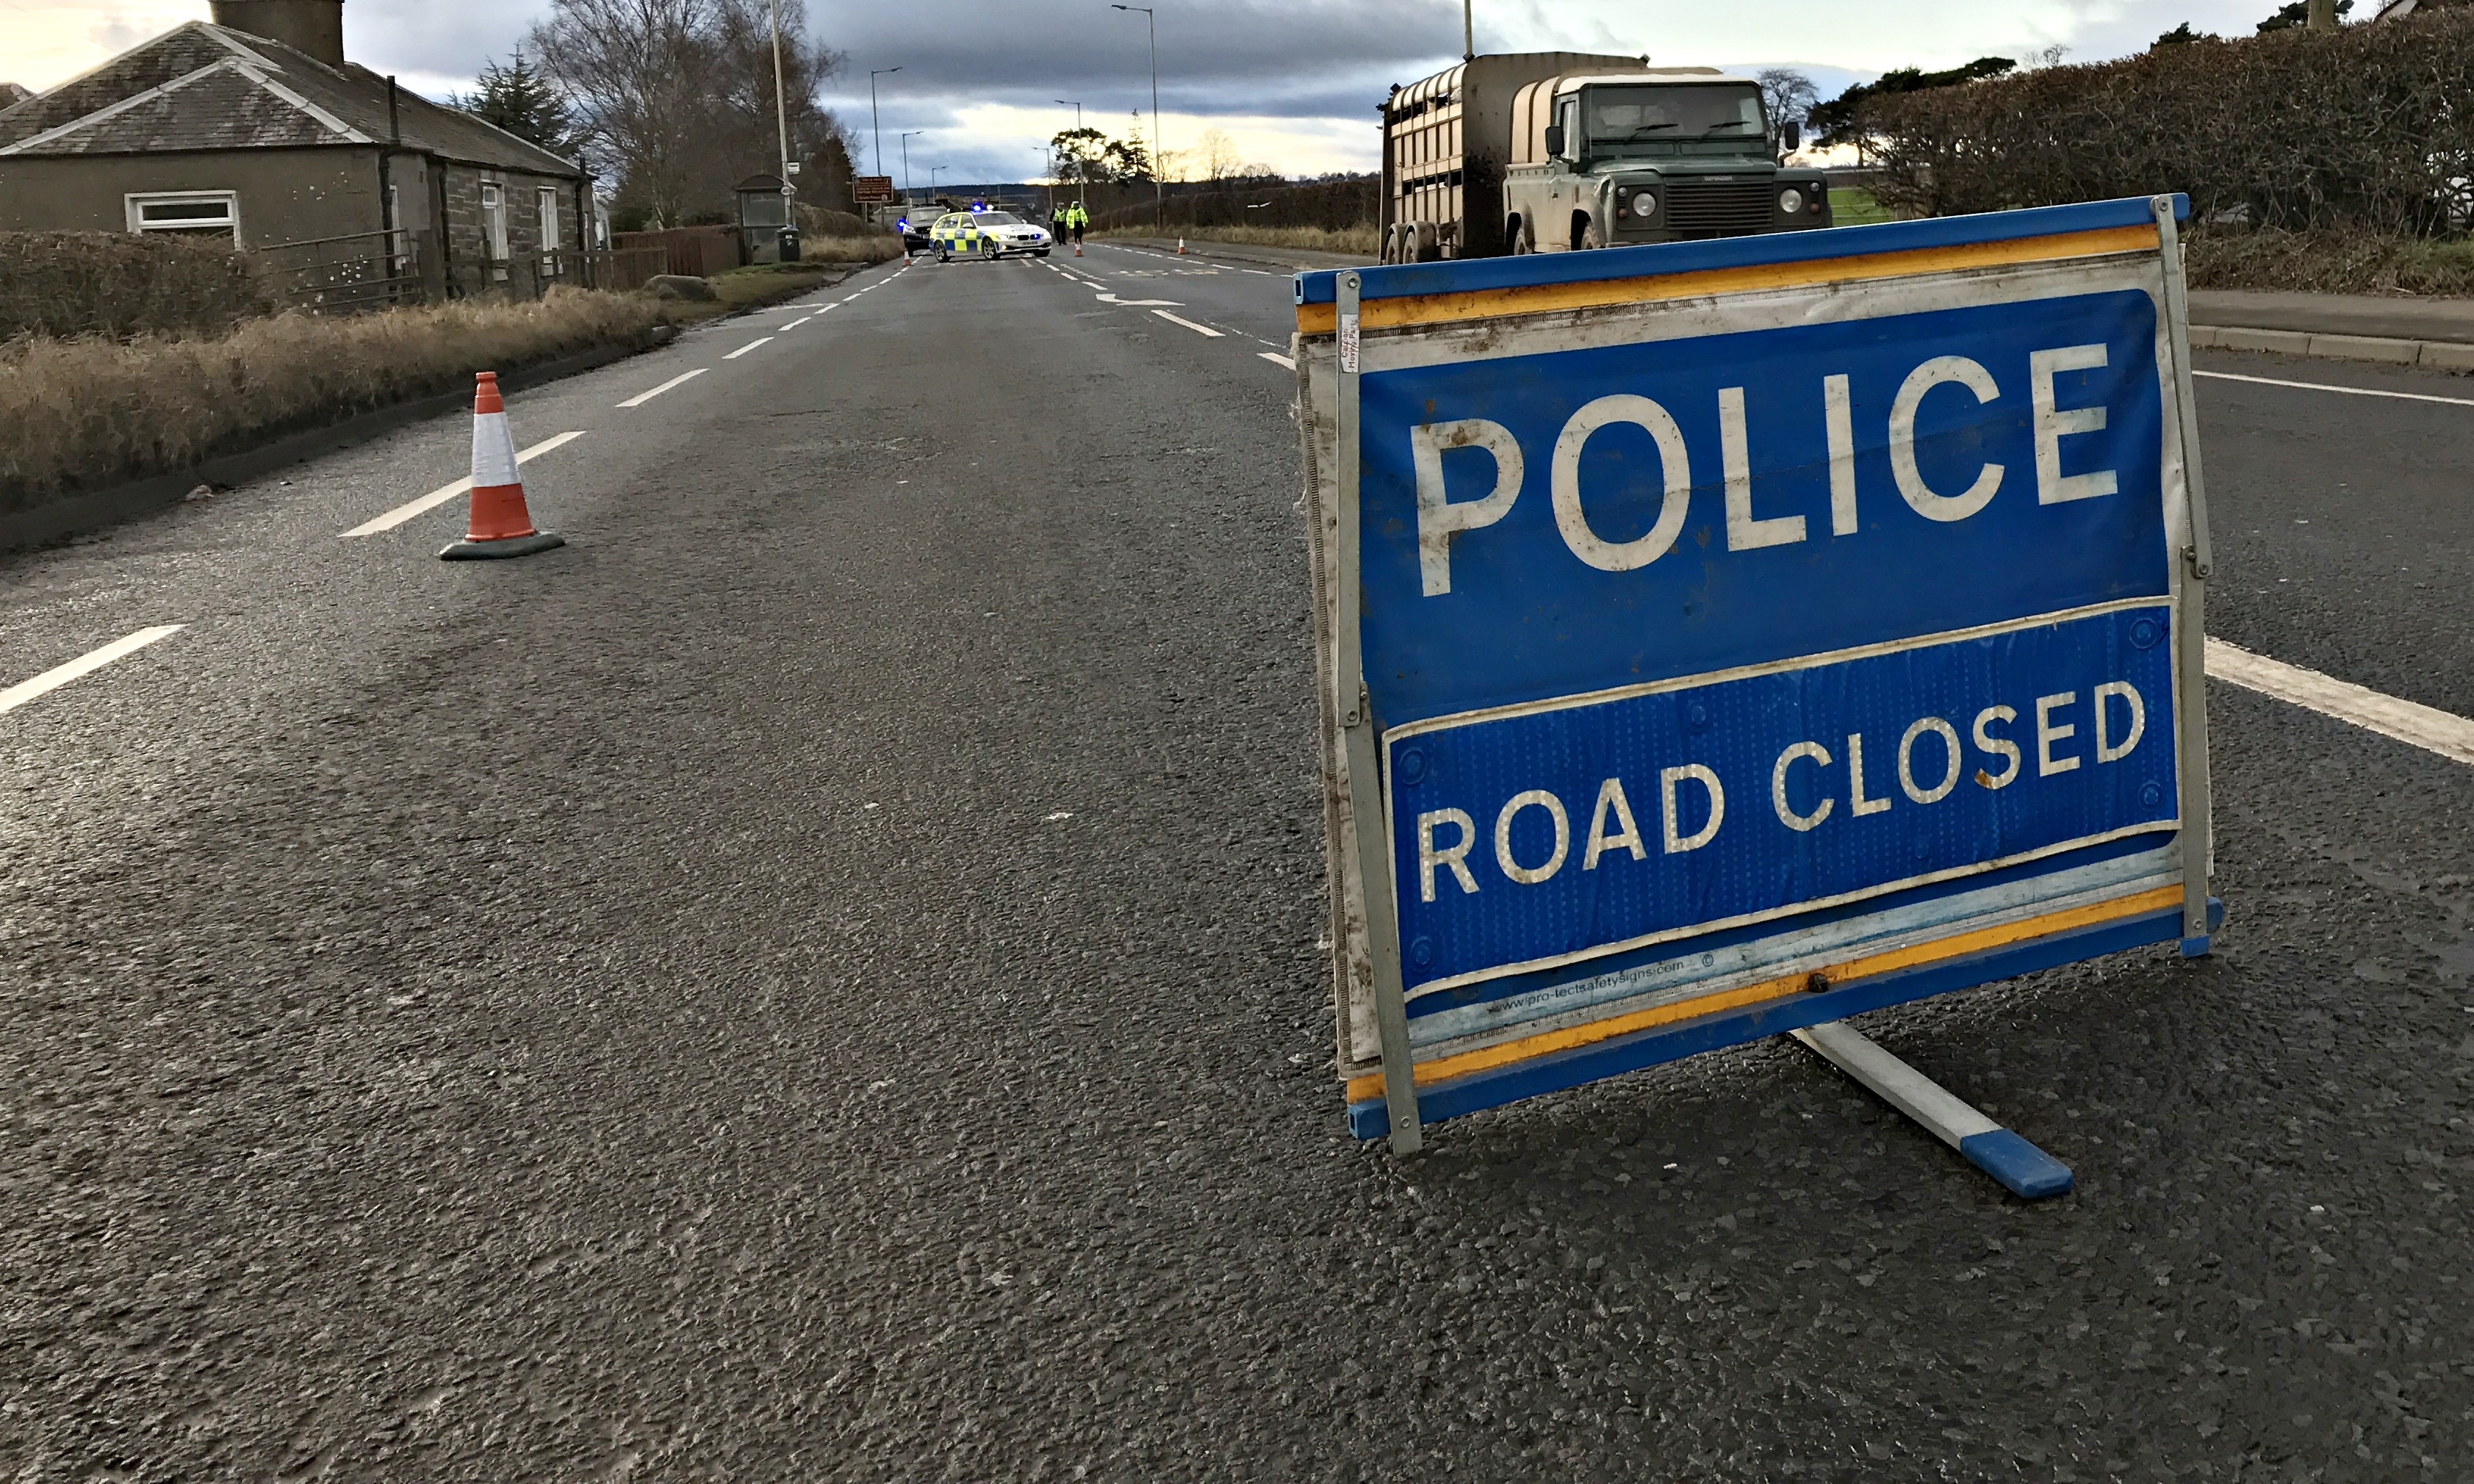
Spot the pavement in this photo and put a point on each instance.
(817, 979)
(2450, 320)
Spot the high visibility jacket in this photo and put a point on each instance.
(1077, 217)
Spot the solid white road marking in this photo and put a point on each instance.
(642, 398)
(2427, 727)
(1276, 358)
(2349, 391)
(439, 497)
(1199, 330)
(749, 346)
(25, 690)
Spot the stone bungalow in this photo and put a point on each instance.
(255, 127)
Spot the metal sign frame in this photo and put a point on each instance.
(1472, 299)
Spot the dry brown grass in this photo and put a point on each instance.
(2327, 262)
(120, 284)
(87, 413)
(1353, 241)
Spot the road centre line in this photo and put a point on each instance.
(749, 346)
(2348, 391)
(2427, 727)
(53, 679)
(795, 323)
(1199, 330)
(1277, 359)
(439, 497)
(642, 398)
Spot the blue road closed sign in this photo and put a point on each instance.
(1723, 638)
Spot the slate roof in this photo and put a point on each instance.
(203, 87)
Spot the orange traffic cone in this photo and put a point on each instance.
(1180, 247)
(499, 525)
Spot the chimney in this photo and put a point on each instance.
(313, 26)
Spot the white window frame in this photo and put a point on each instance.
(136, 202)
(546, 204)
(493, 227)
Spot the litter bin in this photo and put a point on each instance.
(789, 244)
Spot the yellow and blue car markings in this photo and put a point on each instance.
(958, 232)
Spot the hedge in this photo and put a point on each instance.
(2371, 127)
(118, 284)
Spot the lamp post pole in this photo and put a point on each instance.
(905, 141)
(1159, 197)
(875, 127)
(1468, 33)
(780, 99)
(1077, 147)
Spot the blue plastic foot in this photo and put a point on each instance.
(2024, 1169)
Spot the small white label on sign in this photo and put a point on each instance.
(1349, 343)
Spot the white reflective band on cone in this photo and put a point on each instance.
(494, 452)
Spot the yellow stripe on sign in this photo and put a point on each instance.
(1323, 319)
(1870, 966)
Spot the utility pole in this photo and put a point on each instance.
(1159, 194)
(874, 126)
(781, 101)
(2321, 16)
(1077, 147)
(1468, 32)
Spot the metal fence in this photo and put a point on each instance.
(381, 270)
(351, 275)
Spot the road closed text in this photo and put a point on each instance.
(1620, 819)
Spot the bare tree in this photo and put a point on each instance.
(677, 98)
(638, 72)
(1786, 95)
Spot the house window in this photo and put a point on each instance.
(548, 197)
(202, 214)
(494, 228)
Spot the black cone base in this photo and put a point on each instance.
(513, 546)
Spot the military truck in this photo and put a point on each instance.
(1550, 151)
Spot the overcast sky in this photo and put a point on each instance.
(1293, 82)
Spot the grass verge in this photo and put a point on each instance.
(1355, 241)
(2327, 262)
(86, 414)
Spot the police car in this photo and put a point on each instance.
(987, 234)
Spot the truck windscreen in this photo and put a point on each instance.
(1672, 120)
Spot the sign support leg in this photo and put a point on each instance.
(1366, 800)
(2189, 613)
(2022, 1169)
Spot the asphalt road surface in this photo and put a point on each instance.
(817, 980)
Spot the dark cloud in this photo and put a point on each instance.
(1294, 57)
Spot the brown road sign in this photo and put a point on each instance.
(871, 189)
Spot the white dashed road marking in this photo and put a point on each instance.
(439, 497)
(749, 346)
(53, 679)
(642, 398)
(2348, 391)
(1277, 360)
(2427, 727)
(1199, 330)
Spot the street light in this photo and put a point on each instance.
(873, 127)
(1159, 203)
(931, 177)
(1076, 106)
(781, 101)
(905, 141)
